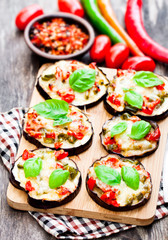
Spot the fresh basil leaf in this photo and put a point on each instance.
(130, 176)
(140, 129)
(58, 177)
(52, 108)
(61, 120)
(134, 99)
(82, 79)
(146, 79)
(32, 167)
(108, 175)
(118, 128)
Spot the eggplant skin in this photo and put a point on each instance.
(44, 204)
(153, 124)
(112, 111)
(101, 203)
(71, 151)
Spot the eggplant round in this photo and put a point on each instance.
(87, 99)
(160, 110)
(43, 203)
(136, 200)
(70, 143)
(123, 145)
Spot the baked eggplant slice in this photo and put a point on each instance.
(118, 184)
(49, 177)
(129, 136)
(141, 93)
(73, 81)
(57, 125)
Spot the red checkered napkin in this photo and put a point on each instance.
(62, 227)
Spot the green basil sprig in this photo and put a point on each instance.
(118, 128)
(147, 79)
(58, 177)
(130, 176)
(54, 109)
(134, 99)
(108, 175)
(140, 129)
(82, 79)
(32, 167)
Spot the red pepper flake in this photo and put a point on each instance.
(57, 37)
(28, 186)
(26, 155)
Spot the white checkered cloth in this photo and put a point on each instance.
(62, 227)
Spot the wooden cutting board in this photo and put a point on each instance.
(83, 205)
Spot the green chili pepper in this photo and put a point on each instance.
(99, 22)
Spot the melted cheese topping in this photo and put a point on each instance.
(41, 182)
(78, 118)
(120, 84)
(128, 146)
(124, 194)
(61, 82)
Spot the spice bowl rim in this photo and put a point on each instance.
(78, 20)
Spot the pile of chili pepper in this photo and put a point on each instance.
(58, 37)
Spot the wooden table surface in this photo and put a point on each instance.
(18, 68)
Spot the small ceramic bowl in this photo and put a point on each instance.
(69, 18)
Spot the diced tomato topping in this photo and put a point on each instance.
(114, 99)
(58, 73)
(137, 167)
(50, 86)
(50, 135)
(109, 140)
(160, 87)
(91, 183)
(63, 191)
(113, 162)
(134, 119)
(36, 135)
(26, 155)
(110, 198)
(58, 166)
(148, 174)
(69, 97)
(153, 136)
(77, 135)
(60, 154)
(57, 145)
(148, 107)
(32, 115)
(92, 65)
(28, 186)
(120, 72)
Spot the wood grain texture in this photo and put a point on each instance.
(18, 70)
(83, 205)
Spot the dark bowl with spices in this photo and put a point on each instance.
(59, 36)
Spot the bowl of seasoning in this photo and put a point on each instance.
(59, 36)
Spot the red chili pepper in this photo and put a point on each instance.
(26, 155)
(160, 87)
(114, 100)
(71, 6)
(27, 14)
(117, 55)
(91, 183)
(136, 30)
(28, 186)
(139, 64)
(153, 136)
(100, 48)
(57, 145)
(60, 154)
(50, 135)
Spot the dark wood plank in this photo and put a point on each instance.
(18, 69)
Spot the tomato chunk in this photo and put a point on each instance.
(58, 166)
(26, 155)
(28, 186)
(114, 100)
(91, 183)
(160, 87)
(57, 145)
(153, 136)
(110, 198)
(50, 135)
(109, 140)
(60, 154)
(148, 107)
(63, 191)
